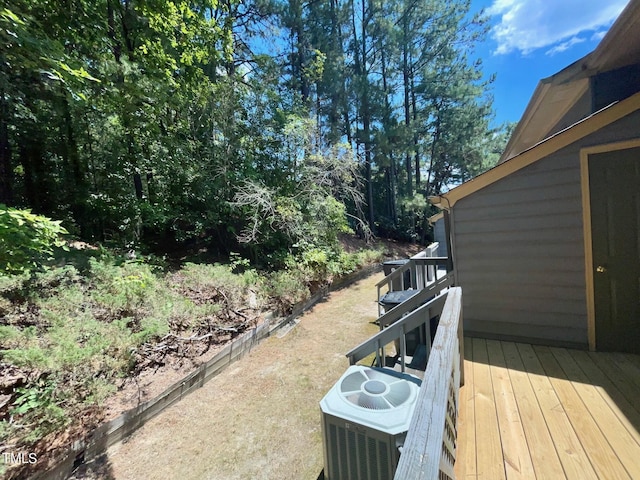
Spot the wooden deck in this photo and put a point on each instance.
(547, 413)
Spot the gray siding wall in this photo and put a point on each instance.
(440, 236)
(519, 251)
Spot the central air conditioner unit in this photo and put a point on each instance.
(365, 419)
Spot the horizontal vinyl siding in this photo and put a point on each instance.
(440, 237)
(520, 254)
(519, 251)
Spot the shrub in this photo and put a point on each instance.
(124, 289)
(26, 239)
(39, 404)
(286, 287)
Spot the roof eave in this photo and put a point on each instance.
(550, 145)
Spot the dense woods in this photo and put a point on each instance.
(263, 125)
(258, 131)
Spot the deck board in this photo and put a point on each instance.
(516, 452)
(626, 412)
(574, 459)
(607, 364)
(489, 450)
(466, 469)
(544, 456)
(541, 412)
(602, 456)
(623, 443)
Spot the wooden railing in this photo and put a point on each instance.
(429, 451)
(425, 275)
(422, 269)
(416, 300)
(397, 331)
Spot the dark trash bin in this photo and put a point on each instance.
(389, 266)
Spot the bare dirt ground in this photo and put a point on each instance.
(260, 418)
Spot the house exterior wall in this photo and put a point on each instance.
(519, 252)
(440, 236)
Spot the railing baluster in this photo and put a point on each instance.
(403, 347)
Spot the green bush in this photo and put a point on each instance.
(231, 287)
(286, 288)
(121, 287)
(74, 332)
(40, 404)
(26, 239)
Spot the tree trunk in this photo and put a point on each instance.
(6, 171)
(407, 106)
(416, 151)
(78, 190)
(31, 161)
(359, 56)
(116, 47)
(390, 170)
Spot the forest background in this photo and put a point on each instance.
(261, 127)
(258, 132)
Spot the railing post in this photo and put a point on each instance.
(429, 450)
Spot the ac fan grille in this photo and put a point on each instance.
(357, 389)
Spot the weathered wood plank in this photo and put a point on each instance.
(517, 459)
(415, 301)
(544, 457)
(624, 444)
(394, 331)
(490, 463)
(422, 453)
(603, 457)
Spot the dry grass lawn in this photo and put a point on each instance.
(260, 418)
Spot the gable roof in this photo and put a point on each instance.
(554, 96)
(579, 130)
(534, 137)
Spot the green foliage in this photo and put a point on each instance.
(26, 239)
(286, 287)
(310, 267)
(140, 123)
(77, 332)
(122, 287)
(40, 403)
(310, 210)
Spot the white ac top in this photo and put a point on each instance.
(373, 397)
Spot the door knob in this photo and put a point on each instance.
(601, 269)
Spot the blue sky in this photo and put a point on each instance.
(533, 39)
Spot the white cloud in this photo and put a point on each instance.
(561, 47)
(527, 25)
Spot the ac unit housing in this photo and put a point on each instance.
(365, 419)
